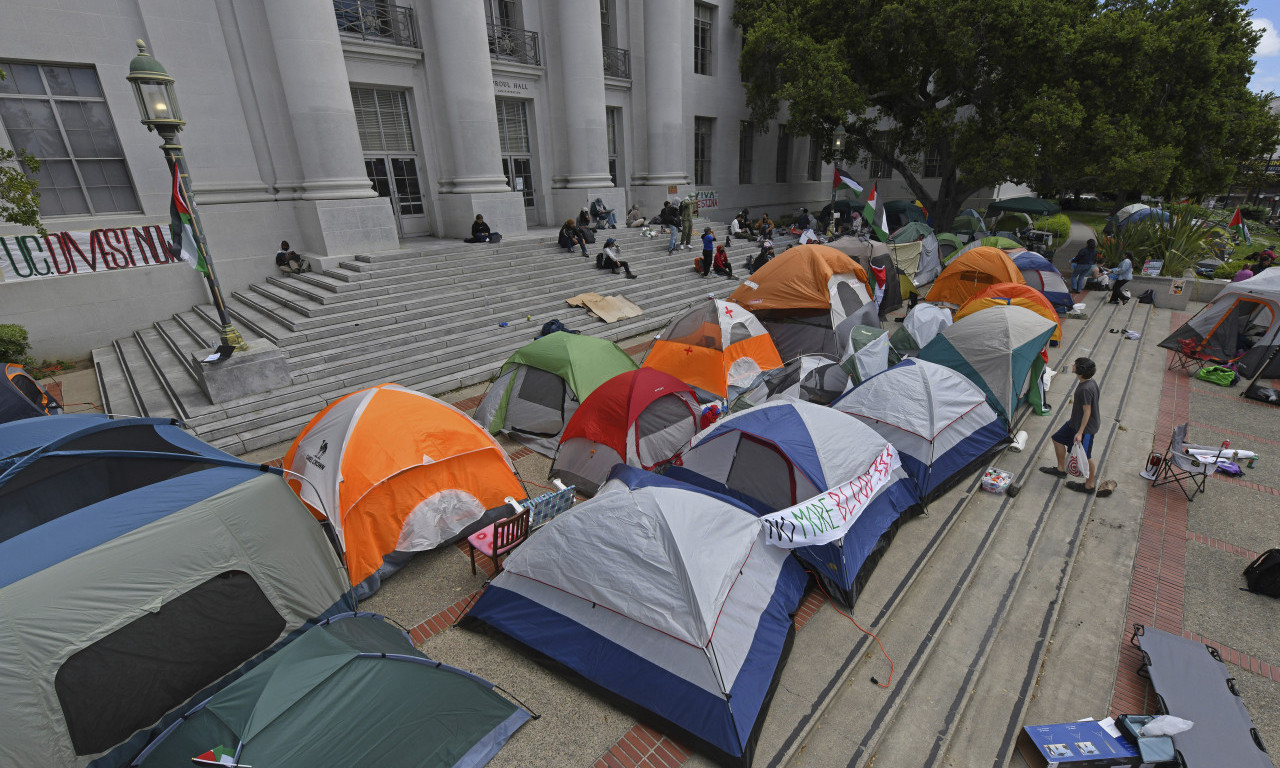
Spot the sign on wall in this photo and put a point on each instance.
(58, 254)
(708, 199)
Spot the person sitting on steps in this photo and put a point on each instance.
(603, 216)
(765, 227)
(762, 258)
(289, 262)
(1121, 275)
(480, 232)
(740, 228)
(570, 235)
(608, 259)
(720, 263)
(584, 220)
(634, 217)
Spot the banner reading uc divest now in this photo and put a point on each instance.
(59, 254)
(828, 516)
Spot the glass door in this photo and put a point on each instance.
(517, 154)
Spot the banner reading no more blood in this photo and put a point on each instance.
(59, 254)
(828, 516)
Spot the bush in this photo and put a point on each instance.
(1229, 269)
(1255, 212)
(1058, 224)
(14, 346)
(1179, 243)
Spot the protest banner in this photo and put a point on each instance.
(828, 516)
(59, 254)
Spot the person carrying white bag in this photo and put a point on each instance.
(1077, 434)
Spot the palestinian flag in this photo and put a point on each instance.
(842, 180)
(880, 224)
(218, 756)
(182, 238)
(1238, 228)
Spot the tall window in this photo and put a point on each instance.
(58, 115)
(814, 171)
(932, 163)
(611, 120)
(746, 148)
(504, 13)
(702, 127)
(783, 168)
(608, 30)
(876, 168)
(382, 120)
(703, 18)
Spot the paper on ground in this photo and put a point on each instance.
(608, 308)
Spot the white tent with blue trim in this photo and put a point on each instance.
(939, 421)
(785, 452)
(666, 598)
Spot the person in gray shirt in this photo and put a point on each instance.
(1080, 428)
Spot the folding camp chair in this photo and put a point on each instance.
(1184, 468)
(1189, 355)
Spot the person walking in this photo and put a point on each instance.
(1121, 275)
(1080, 428)
(670, 218)
(687, 208)
(1082, 265)
(708, 250)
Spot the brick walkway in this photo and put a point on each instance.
(1159, 573)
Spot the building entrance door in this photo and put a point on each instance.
(397, 178)
(390, 157)
(517, 154)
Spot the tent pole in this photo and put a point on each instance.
(1262, 368)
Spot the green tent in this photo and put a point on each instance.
(1032, 206)
(351, 691)
(911, 232)
(948, 246)
(540, 386)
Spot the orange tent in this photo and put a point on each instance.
(1013, 294)
(798, 278)
(972, 272)
(713, 346)
(395, 470)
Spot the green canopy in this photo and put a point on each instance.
(1003, 243)
(1033, 206)
(352, 691)
(585, 362)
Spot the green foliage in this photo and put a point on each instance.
(1179, 242)
(1058, 224)
(48, 368)
(1229, 269)
(19, 197)
(1010, 222)
(1255, 212)
(14, 345)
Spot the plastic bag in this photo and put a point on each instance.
(1078, 462)
(1165, 725)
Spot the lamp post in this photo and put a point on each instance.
(837, 141)
(158, 103)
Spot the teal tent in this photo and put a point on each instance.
(995, 349)
(1032, 206)
(911, 232)
(351, 691)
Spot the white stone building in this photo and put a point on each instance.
(347, 126)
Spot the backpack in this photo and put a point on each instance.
(1263, 575)
(1217, 374)
(552, 326)
(1148, 298)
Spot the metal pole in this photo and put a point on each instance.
(228, 336)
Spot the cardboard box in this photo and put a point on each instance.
(1085, 744)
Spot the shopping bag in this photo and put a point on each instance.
(1078, 462)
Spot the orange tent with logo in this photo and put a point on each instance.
(972, 272)
(397, 471)
(1015, 295)
(713, 346)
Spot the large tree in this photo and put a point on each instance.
(1054, 93)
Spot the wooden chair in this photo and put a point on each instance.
(498, 539)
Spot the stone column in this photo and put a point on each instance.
(582, 67)
(338, 210)
(460, 51)
(665, 63)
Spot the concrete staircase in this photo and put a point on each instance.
(425, 318)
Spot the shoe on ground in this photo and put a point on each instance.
(1054, 471)
(631, 277)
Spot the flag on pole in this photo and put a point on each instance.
(1237, 226)
(881, 223)
(842, 180)
(182, 238)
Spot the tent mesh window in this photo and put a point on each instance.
(54, 486)
(536, 405)
(697, 328)
(757, 468)
(135, 675)
(28, 386)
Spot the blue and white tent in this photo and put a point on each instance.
(140, 570)
(782, 454)
(1040, 274)
(939, 421)
(667, 598)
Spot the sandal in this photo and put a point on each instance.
(1059, 473)
(1105, 489)
(1082, 488)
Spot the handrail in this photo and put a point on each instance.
(514, 44)
(377, 20)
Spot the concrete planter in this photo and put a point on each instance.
(1169, 292)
